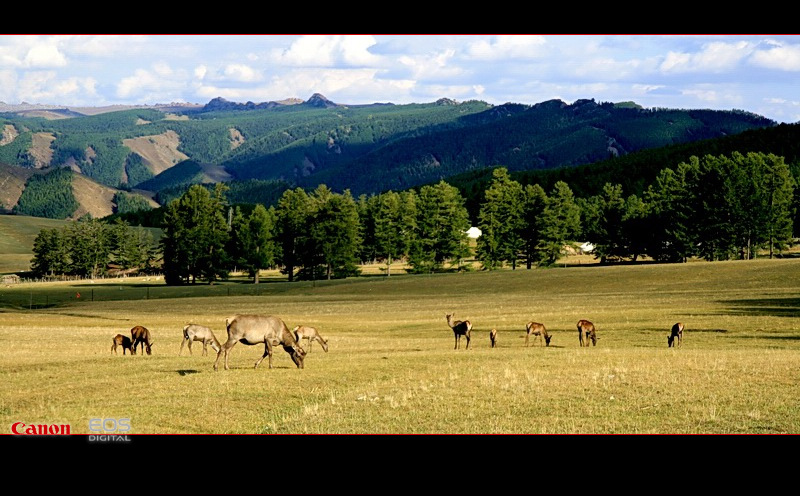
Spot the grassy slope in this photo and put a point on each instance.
(392, 367)
(17, 233)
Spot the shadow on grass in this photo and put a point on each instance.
(188, 372)
(760, 336)
(687, 330)
(776, 307)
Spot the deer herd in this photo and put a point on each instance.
(271, 331)
(586, 333)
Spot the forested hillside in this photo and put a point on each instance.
(366, 149)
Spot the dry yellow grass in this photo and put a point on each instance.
(392, 367)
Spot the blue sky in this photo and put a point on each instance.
(756, 73)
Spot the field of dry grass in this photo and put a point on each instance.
(392, 368)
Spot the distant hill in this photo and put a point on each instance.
(364, 148)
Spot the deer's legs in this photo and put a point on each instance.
(224, 351)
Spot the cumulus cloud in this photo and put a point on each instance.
(435, 66)
(714, 57)
(47, 87)
(160, 84)
(241, 73)
(328, 51)
(44, 55)
(507, 46)
(781, 57)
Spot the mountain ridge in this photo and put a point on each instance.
(364, 148)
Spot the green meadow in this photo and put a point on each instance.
(392, 367)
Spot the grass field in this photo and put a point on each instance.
(392, 368)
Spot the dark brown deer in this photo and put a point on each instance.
(493, 337)
(124, 341)
(311, 334)
(257, 329)
(140, 336)
(460, 328)
(675, 334)
(194, 332)
(586, 331)
(538, 331)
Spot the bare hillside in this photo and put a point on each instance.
(12, 182)
(160, 152)
(94, 198)
(40, 149)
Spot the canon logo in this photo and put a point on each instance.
(40, 429)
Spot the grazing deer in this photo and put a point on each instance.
(493, 337)
(124, 341)
(194, 332)
(140, 336)
(586, 330)
(256, 329)
(538, 331)
(460, 328)
(675, 333)
(312, 334)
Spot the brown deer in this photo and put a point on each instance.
(675, 333)
(493, 337)
(257, 329)
(140, 336)
(311, 334)
(194, 332)
(124, 341)
(586, 330)
(460, 328)
(538, 331)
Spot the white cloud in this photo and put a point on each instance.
(328, 51)
(44, 55)
(782, 57)
(102, 46)
(714, 57)
(8, 83)
(434, 66)
(47, 87)
(241, 73)
(158, 86)
(507, 46)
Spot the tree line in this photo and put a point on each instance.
(90, 247)
(714, 207)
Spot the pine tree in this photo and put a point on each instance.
(442, 223)
(252, 240)
(195, 235)
(500, 221)
(533, 207)
(89, 246)
(561, 221)
(292, 216)
(668, 217)
(395, 221)
(333, 233)
(50, 253)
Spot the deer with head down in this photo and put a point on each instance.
(538, 331)
(123, 341)
(460, 328)
(140, 336)
(260, 329)
(311, 334)
(676, 333)
(586, 331)
(194, 332)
